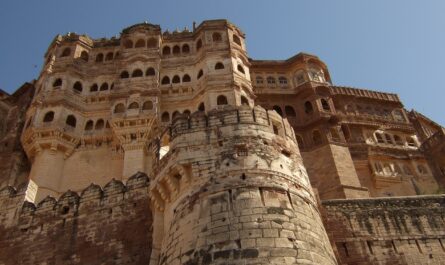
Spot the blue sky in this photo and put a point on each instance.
(395, 46)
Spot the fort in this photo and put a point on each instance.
(178, 148)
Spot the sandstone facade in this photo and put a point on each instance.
(177, 148)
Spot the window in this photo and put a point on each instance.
(137, 73)
(199, 45)
(237, 40)
(166, 50)
(278, 110)
(99, 58)
(411, 142)
(282, 80)
(240, 69)
(186, 112)
(316, 137)
(78, 86)
(89, 125)
(152, 43)
(176, 79)
(379, 138)
(71, 121)
(186, 78)
(201, 107)
(57, 83)
(133, 105)
(325, 105)
(299, 76)
(290, 112)
(176, 50)
(271, 80)
(377, 167)
(140, 43)
(119, 108)
(165, 80)
(109, 56)
(335, 136)
(398, 140)
(219, 66)
(221, 100)
(84, 56)
(94, 88)
(148, 105)
(200, 74)
(104, 87)
(345, 131)
(100, 124)
(150, 72)
(125, 74)
(216, 37)
(244, 101)
(185, 48)
(316, 75)
(66, 52)
(308, 109)
(165, 117)
(49, 116)
(128, 44)
(259, 80)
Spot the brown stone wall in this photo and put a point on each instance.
(402, 230)
(109, 226)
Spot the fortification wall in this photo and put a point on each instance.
(112, 225)
(234, 191)
(400, 230)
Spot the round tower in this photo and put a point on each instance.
(233, 189)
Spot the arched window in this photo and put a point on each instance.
(78, 86)
(137, 73)
(299, 141)
(128, 44)
(244, 101)
(150, 72)
(119, 108)
(237, 40)
(66, 52)
(176, 50)
(199, 45)
(200, 74)
(221, 100)
(140, 43)
(165, 80)
(259, 80)
(89, 125)
(186, 112)
(133, 105)
(186, 78)
(185, 48)
(49, 116)
(104, 87)
(148, 105)
(109, 56)
(240, 69)
(175, 114)
(410, 141)
(278, 110)
(94, 88)
(290, 112)
(166, 50)
(84, 56)
(201, 107)
(165, 117)
(308, 107)
(388, 138)
(219, 66)
(125, 74)
(325, 105)
(176, 79)
(216, 37)
(152, 43)
(99, 58)
(379, 138)
(316, 137)
(71, 121)
(99, 124)
(282, 80)
(398, 140)
(57, 83)
(271, 80)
